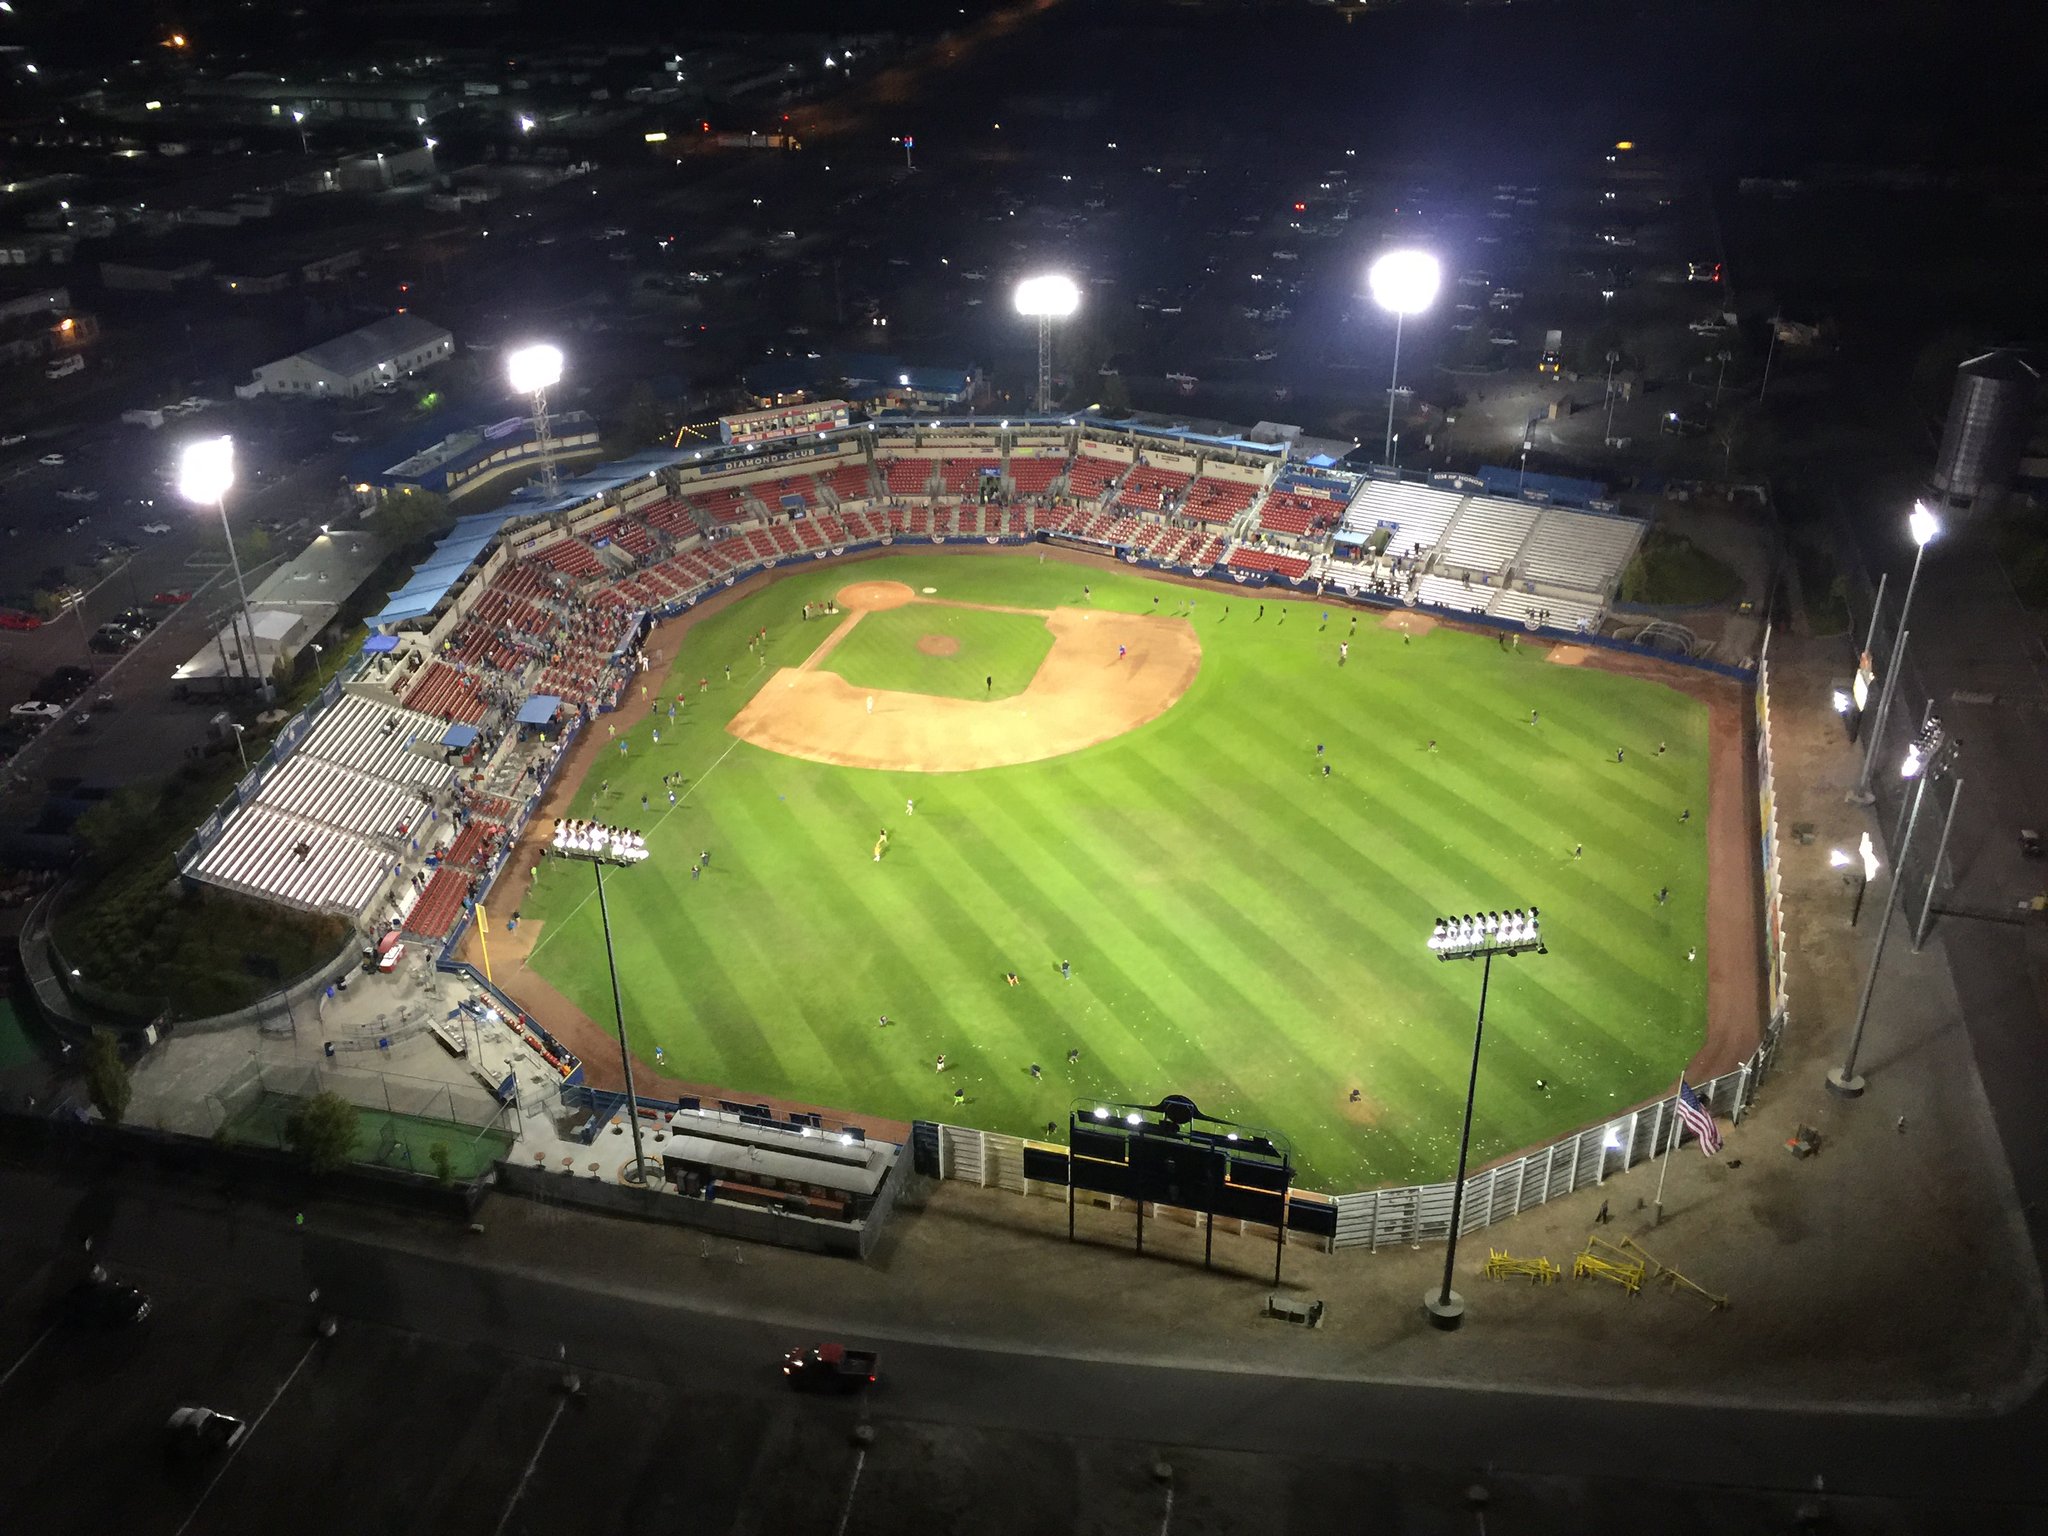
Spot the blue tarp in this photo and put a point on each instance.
(539, 709)
(377, 645)
(1507, 481)
(433, 577)
(460, 736)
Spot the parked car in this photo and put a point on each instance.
(52, 460)
(105, 1302)
(829, 1368)
(112, 640)
(346, 437)
(171, 599)
(36, 709)
(64, 684)
(204, 1431)
(13, 439)
(15, 618)
(156, 528)
(78, 493)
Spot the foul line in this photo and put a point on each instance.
(531, 1462)
(556, 927)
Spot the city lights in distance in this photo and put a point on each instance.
(1053, 295)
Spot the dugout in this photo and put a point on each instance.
(794, 1170)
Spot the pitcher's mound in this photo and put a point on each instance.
(1409, 623)
(937, 645)
(872, 595)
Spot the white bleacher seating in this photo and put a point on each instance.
(378, 739)
(1449, 592)
(1486, 533)
(260, 851)
(1571, 614)
(1582, 550)
(1418, 514)
(340, 797)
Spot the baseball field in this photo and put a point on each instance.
(1234, 839)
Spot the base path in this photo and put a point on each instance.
(1083, 693)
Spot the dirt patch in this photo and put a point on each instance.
(875, 595)
(1107, 673)
(1569, 655)
(1363, 1110)
(1409, 623)
(938, 645)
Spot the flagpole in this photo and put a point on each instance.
(1670, 1142)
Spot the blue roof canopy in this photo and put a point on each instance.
(453, 554)
(539, 709)
(460, 736)
(377, 645)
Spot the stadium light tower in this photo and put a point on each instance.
(1406, 283)
(206, 469)
(597, 845)
(1046, 299)
(1475, 936)
(1925, 528)
(1928, 754)
(534, 371)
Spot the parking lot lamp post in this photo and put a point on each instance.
(1406, 283)
(533, 371)
(1769, 353)
(1867, 861)
(1613, 357)
(1723, 356)
(299, 122)
(238, 728)
(1475, 936)
(206, 469)
(598, 845)
(1046, 299)
(1925, 527)
(1923, 760)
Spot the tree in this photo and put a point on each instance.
(255, 546)
(1113, 396)
(106, 1076)
(440, 1157)
(120, 823)
(322, 1130)
(407, 516)
(643, 420)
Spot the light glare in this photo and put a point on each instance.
(532, 369)
(206, 469)
(1405, 282)
(1052, 295)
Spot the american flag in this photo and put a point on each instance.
(1698, 1119)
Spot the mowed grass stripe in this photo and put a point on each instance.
(1236, 931)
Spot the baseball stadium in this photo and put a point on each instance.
(987, 770)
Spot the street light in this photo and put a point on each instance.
(206, 469)
(299, 122)
(1723, 357)
(1925, 527)
(1613, 357)
(1404, 282)
(1046, 299)
(1923, 758)
(1866, 856)
(533, 371)
(238, 728)
(597, 845)
(1475, 936)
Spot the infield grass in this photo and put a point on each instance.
(1241, 929)
(994, 655)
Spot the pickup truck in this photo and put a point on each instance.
(829, 1368)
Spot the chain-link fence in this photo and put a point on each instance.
(400, 1120)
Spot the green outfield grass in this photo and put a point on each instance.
(1241, 929)
(881, 651)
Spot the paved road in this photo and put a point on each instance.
(437, 1408)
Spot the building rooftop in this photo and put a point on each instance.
(377, 342)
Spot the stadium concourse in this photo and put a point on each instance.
(395, 799)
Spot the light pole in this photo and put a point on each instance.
(238, 728)
(206, 469)
(598, 845)
(1869, 865)
(1721, 378)
(1924, 527)
(1046, 299)
(1404, 282)
(1769, 352)
(533, 370)
(299, 122)
(319, 664)
(1475, 936)
(907, 142)
(1523, 474)
(1923, 759)
(1613, 357)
